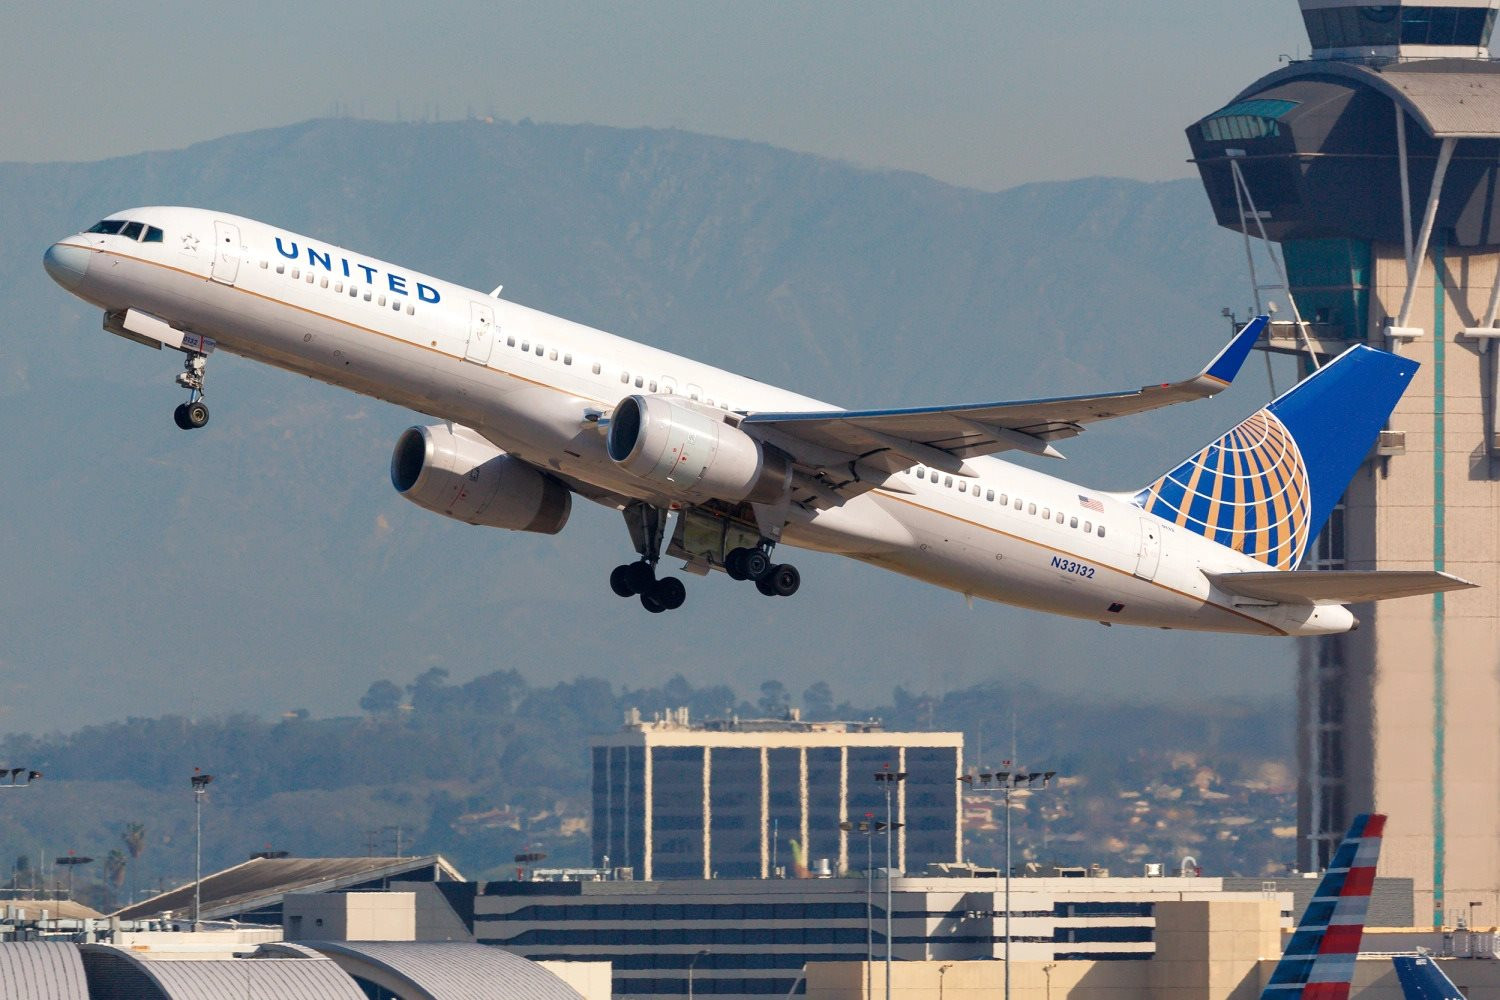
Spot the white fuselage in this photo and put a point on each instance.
(536, 386)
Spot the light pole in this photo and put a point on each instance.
(70, 862)
(701, 952)
(889, 779)
(868, 828)
(200, 787)
(17, 777)
(1005, 782)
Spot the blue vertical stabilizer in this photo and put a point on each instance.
(1422, 979)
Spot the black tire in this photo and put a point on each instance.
(652, 603)
(734, 564)
(785, 579)
(670, 591)
(179, 416)
(640, 576)
(619, 581)
(196, 414)
(765, 586)
(756, 564)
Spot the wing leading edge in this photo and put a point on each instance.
(881, 442)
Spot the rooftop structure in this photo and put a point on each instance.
(673, 799)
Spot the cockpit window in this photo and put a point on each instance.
(153, 235)
(109, 227)
(132, 230)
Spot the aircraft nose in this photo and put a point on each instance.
(67, 264)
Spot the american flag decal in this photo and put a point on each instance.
(1318, 963)
(1090, 503)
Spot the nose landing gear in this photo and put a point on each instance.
(194, 413)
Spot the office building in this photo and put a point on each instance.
(728, 799)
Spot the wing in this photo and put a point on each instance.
(1337, 586)
(852, 450)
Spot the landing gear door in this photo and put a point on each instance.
(1148, 557)
(226, 265)
(481, 333)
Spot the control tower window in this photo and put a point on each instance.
(1389, 25)
(1246, 120)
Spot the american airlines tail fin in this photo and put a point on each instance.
(1266, 487)
(1318, 963)
(1421, 979)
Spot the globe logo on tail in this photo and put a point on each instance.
(1248, 490)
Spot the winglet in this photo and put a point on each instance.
(1227, 364)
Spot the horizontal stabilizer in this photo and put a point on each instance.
(1337, 586)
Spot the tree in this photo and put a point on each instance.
(383, 698)
(134, 836)
(817, 701)
(115, 865)
(773, 699)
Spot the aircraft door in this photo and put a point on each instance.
(481, 333)
(226, 265)
(1148, 557)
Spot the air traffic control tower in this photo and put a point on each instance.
(1367, 180)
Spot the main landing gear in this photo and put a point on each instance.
(771, 579)
(647, 526)
(194, 413)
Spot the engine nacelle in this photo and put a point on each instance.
(456, 473)
(692, 455)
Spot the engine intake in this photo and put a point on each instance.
(692, 455)
(456, 473)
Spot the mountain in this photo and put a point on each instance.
(265, 564)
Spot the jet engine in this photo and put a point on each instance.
(693, 455)
(454, 472)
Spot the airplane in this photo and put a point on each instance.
(534, 409)
(1318, 961)
(1422, 978)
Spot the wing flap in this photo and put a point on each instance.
(1337, 586)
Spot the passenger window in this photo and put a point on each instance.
(525, 346)
(1088, 526)
(552, 355)
(639, 381)
(963, 487)
(1101, 531)
(510, 341)
(367, 295)
(281, 269)
(625, 377)
(948, 481)
(153, 235)
(1072, 522)
(296, 273)
(651, 387)
(1061, 517)
(353, 290)
(1018, 503)
(322, 282)
(989, 495)
(567, 359)
(596, 368)
(381, 300)
(264, 265)
(395, 305)
(1030, 508)
(338, 286)
(1046, 513)
(921, 472)
(539, 350)
(132, 230)
(1004, 500)
(410, 310)
(310, 277)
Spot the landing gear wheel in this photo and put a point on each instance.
(755, 564)
(784, 579)
(640, 577)
(734, 564)
(195, 414)
(179, 416)
(619, 581)
(670, 592)
(652, 603)
(765, 586)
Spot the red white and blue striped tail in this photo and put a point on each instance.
(1318, 963)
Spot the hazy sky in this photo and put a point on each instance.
(985, 94)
